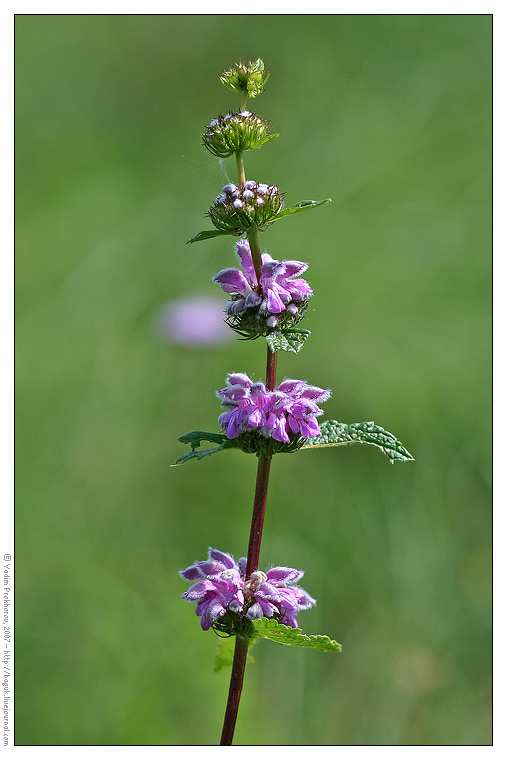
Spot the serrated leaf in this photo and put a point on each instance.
(224, 654)
(207, 234)
(291, 340)
(335, 433)
(301, 206)
(267, 628)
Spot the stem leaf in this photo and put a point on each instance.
(196, 455)
(335, 433)
(267, 628)
(195, 438)
(301, 206)
(207, 234)
(291, 339)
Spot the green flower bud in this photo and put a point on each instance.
(238, 130)
(245, 208)
(246, 77)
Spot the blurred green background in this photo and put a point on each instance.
(389, 115)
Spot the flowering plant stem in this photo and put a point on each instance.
(259, 510)
(241, 167)
(268, 298)
(255, 249)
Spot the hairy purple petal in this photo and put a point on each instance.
(191, 573)
(219, 556)
(211, 567)
(233, 281)
(255, 612)
(293, 267)
(233, 393)
(283, 575)
(199, 590)
(315, 394)
(305, 601)
(289, 620)
(310, 428)
(242, 567)
(239, 378)
(245, 256)
(292, 386)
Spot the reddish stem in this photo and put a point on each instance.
(259, 509)
(252, 563)
(271, 370)
(238, 671)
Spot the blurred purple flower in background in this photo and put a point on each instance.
(194, 320)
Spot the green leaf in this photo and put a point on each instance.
(267, 628)
(301, 206)
(196, 455)
(224, 654)
(340, 433)
(292, 339)
(207, 234)
(195, 439)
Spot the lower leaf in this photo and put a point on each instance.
(267, 628)
(335, 433)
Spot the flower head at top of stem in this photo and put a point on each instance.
(247, 78)
(225, 598)
(287, 414)
(249, 206)
(278, 300)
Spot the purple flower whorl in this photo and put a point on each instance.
(228, 601)
(287, 414)
(278, 300)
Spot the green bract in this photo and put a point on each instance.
(246, 77)
(251, 324)
(238, 130)
(283, 212)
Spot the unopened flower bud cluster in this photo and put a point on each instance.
(237, 130)
(247, 207)
(246, 77)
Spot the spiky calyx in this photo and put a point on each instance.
(244, 208)
(237, 130)
(246, 77)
